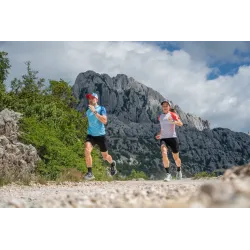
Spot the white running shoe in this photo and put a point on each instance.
(179, 175)
(168, 177)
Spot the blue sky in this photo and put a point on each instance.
(207, 79)
(222, 66)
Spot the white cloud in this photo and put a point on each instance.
(217, 51)
(177, 75)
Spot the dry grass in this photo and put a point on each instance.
(68, 175)
(71, 175)
(203, 175)
(10, 177)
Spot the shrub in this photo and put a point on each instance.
(136, 175)
(204, 175)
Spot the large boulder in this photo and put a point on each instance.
(16, 159)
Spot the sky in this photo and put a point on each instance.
(207, 79)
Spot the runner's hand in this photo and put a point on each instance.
(171, 119)
(158, 137)
(92, 108)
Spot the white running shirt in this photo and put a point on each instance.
(167, 127)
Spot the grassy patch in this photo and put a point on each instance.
(11, 177)
(71, 175)
(204, 174)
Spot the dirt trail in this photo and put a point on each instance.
(102, 194)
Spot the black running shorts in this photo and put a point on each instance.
(172, 143)
(101, 141)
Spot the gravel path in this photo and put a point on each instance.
(102, 194)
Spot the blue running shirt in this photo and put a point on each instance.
(95, 127)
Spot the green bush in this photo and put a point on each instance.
(204, 175)
(136, 175)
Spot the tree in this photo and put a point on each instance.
(62, 91)
(4, 72)
(30, 83)
(4, 66)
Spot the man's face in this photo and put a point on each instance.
(165, 107)
(92, 100)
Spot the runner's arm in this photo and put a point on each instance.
(158, 136)
(102, 118)
(178, 123)
(175, 120)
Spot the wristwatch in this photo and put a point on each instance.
(95, 112)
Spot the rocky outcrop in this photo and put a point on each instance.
(127, 99)
(215, 149)
(132, 112)
(16, 158)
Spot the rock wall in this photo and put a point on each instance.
(16, 158)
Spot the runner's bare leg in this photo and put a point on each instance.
(165, 159)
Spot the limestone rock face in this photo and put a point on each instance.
(15, 157)
(127, 99)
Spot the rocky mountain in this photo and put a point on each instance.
(132, 112)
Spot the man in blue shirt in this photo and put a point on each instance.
(97, 118)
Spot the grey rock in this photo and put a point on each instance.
(16, 159)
